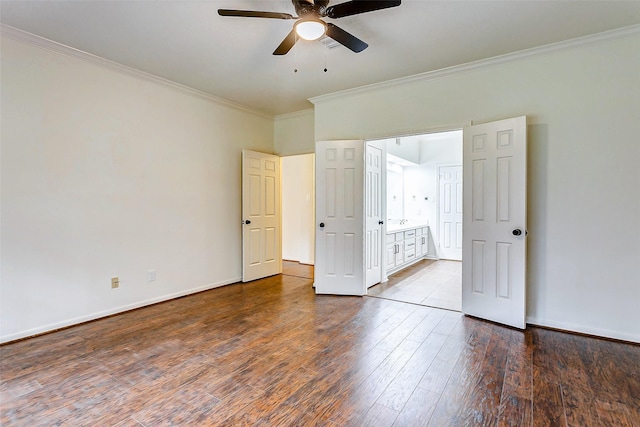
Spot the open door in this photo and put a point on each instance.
(339, 267)
(495, 221)
(261, 239)
(450, 212)
(373, 215)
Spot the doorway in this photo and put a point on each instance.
(298, 223)
(494, 218)
(423, 192)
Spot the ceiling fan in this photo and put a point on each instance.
(309, 26)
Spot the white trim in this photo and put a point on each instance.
(451, 127)
(294, 114)
(572, 327)
(53, 46)
(93, 316)
(484, 63)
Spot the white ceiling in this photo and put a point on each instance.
(187, 42)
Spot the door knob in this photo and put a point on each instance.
(322, 225)
(517, 232)
(380, 222)
(247, 222)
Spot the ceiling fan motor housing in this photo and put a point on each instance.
(306, 7)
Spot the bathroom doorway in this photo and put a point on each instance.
(423, 190)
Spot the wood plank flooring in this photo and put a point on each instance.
(271, 353)
(294, 268)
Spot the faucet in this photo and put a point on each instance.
(403, 221)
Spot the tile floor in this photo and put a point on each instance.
(428, 282)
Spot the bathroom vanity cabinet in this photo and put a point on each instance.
(406, 245)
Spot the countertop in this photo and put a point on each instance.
(394, 228)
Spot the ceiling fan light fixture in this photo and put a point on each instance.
(311, 29)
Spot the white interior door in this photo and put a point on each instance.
(339, 267)
(494, 241)
(450, 212)
(261, 238)
(373, 215)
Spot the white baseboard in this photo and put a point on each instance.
(572, 327)
(93, 316)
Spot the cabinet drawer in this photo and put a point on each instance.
(409, 234)
(410, 255)
(409, 244)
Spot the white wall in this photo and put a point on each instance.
(108, 174)
(582, 106)
(298, 198)
(294, 133)
(404, 148)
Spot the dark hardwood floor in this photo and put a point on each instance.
(271, 353)
(294, 268)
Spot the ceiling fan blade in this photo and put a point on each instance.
(348, 40)
(355, 7)
(254, 14)
(286, 44)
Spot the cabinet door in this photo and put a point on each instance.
(399, 253)
(391, 255)
(425, 242)
(419, 244)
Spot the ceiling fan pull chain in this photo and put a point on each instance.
(295, 54)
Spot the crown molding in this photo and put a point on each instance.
(19, 35)
(484, 63)
(294, 114)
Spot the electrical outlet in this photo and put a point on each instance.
(115, 282)
(151, 276)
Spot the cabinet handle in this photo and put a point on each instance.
(423, 240)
